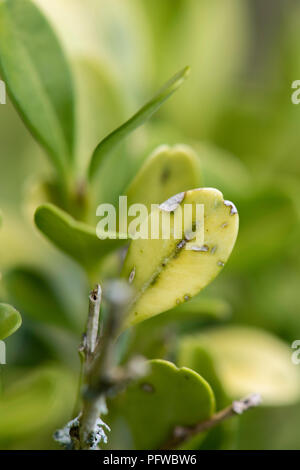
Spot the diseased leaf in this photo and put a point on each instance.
(76, 239)
(149, 409)
(38, 77)
(163, 272)
(167, 171)
(10, 320)
(115, 137)
(244, 361)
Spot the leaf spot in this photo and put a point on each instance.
(165, 174)
(131, 275)
(233, 209)
(180, 245)
(171, 204)
(203, 248)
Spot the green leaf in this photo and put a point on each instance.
(99, 104)
(164, 273)
(192, 353)
(151, 407)
(145, 113)
(244, 360)
(198, 308)
(167, 171)
(33, 293)
(76, 239)
(271, 220)
(35, 403)
(156, 336)
(223, 436)
(220, 168)
(215, 72)
(10, 320)
(270, 428)
(38, 77)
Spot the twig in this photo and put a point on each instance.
(182, 433)
(89, 339)
(101, 374)
(98, 381)
(93, 319)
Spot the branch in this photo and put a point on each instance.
(89, 339)
(101, 375)
(93, 319)
(183, 433)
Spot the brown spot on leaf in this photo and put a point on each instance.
(165, 174)
(203, 248)
(154, 280)
(181, 244)
(233, 209)
(171, 204)
(131, 275)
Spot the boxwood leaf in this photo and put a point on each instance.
(163, 272)
(220, 168)
(10, 320)
(151, 407)
(156, 336)
(33, 293)
(268, 228)
(200, 307)
(77, 239)
(35, 403)
(38, 77)
(167, 171)
(244, 360)
(115, 137)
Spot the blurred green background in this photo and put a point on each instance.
(235, 111)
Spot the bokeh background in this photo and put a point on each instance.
(235, 110)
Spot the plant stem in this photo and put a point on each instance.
(89, 339)
(93, 319)
(183, 433)
(92, 408)
(101, 375)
